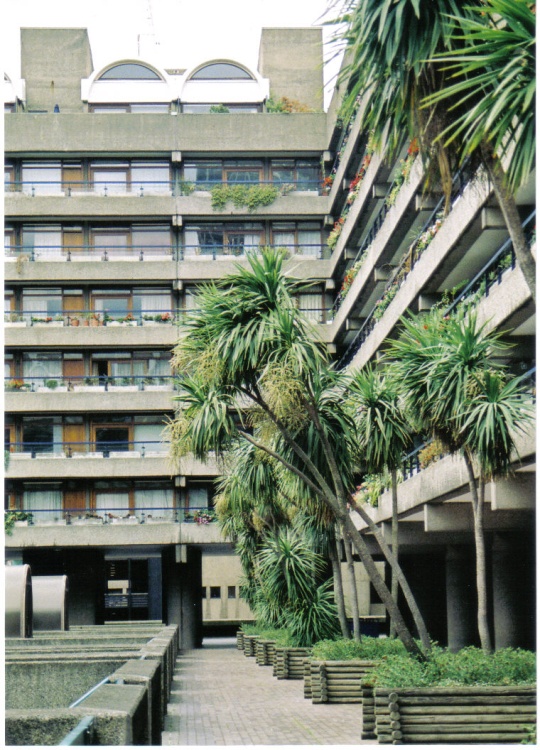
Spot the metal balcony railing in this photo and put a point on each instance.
(36, 516)
(94, 318)
(141, 188)
(154, 252)
(62, 384)
(92, 448)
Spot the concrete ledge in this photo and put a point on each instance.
(149, 674)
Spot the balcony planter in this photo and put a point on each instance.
(158, 388)
(443, 715)
(87, 522)
(124, 454)
(60, 454)
(15, 324)
(122, 388)
(89, 388)
(57, 389)
(91, 454)
(51, 324)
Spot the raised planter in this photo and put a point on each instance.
(240, 640)
(289, 662)
(249, 645)
(336, 681)
(265, 651)
(457, 715)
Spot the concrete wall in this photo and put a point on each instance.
(55, 79)
(292, 60)
(223, 572)
(160, 134)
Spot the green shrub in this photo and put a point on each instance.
(470, 666)
(368, 648)
(281, 636)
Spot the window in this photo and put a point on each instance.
(41, 179)
(41, 304)
(130, 71)
(42, 242)
(311, 304)
(206, 174)
(301, 238)
(44, 502)
(40, 367)
(142, 241)
(145, 108)
(155, 499)
(42, 434)
(221, 72)
(140, 177)
(231, 592)
(215, 592)
(304, 174)
(213, 240)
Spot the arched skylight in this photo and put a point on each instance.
(221, 72)
(130, 71)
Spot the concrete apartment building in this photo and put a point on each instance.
(110, 228)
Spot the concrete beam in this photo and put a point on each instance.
(380, 189)
(492, 218)
(516, 493)
(458, 517)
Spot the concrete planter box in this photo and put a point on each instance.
(336, 681)
(122, 388)
(158, 388)
(456, 715)
(52, 324)
(118, 323)
(58, 389)
(15, 324)
(89, 388)
(289, 662)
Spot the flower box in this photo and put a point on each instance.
(89, 388)
(115, 388)
(124, 454)
(158, 387)
(58, 389)
(51, 324)
(15, 324)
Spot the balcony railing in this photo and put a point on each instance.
(113, 515)
(110, 383)
(492, 273)
(89, 449)
(94, 318)
(141, 188)
(153, 252)
(406, 267)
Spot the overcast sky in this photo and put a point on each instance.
(188, 31)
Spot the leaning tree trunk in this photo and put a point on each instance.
(395, 542)
(403, 583)
(338, 588)
(352, 588)
(512, 219)
(349, 529)
(477, 499)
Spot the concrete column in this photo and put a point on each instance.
(511, 605)
(460, 598)
(183, 584)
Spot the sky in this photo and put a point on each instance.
(188, 31)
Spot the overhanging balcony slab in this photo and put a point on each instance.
(70, 337)
(115, 535)
(459, 517)
(91, 467)
(77, 402)
(81, 271)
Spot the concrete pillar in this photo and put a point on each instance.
(510, 601)
(182, 572)
(460, 598)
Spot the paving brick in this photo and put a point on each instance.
(219, 697)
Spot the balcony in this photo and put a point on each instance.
(85, 394)
(27, 200)
(98, 460)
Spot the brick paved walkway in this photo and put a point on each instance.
(221, 697)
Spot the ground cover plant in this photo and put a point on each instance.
(368, 648)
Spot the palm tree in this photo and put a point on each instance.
(385, 434)
(459, 395)
(491, 90)
(390, 46)
(249, 345)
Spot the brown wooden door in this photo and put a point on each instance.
(75, 500)
(73, 371)
(73, 242)
(74, 434)
(72, 178)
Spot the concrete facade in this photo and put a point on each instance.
(115, 521)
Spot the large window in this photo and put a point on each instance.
(205, 174)
(140, 177)
(43, 501)
(42, 434)
(143, 241)
(221, 239)
(302, 174)
(41, 304)
(300, 238)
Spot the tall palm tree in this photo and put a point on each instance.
(490, 94)
(458, 394)
(385, 434)
(249, 344)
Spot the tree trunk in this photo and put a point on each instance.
(480, 546)
(352, 589)
(338, 588)
(512, 219)
(395, 542)
(349, 530)
(404, 585)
